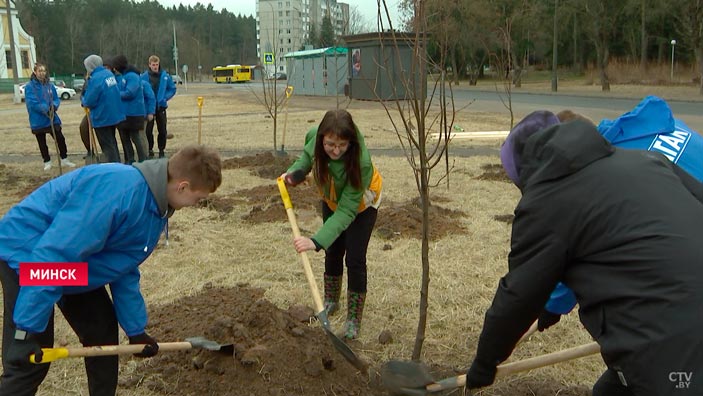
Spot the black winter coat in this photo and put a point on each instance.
(624, 230)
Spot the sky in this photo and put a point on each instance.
(368, 8)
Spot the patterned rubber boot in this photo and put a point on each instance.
(355, 310)
(333, 288)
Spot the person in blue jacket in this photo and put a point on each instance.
(102, 96)
(649, 126)
(132, 94)
(164, 89)
(73, 219)
(42, 103)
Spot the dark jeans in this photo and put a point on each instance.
(160, 120)
(92, 317)
(354, 242)
(108, 143)
(41, 140)
(131, 131)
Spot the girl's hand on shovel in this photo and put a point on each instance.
(151, 347)
(303, 244)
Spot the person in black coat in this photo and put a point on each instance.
(622, 228)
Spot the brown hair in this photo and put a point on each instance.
(154, 59)
(198, 164)
(568, 115)
(340, 124)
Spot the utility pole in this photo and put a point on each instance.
(175, 48)
(554, 51)
(13, 57)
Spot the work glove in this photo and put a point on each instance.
(546, 320)
(480, 375)
(18, 351)
(150, 349)
(294, 178)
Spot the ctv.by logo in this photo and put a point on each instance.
(681, 379)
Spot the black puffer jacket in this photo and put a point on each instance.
(624, 230)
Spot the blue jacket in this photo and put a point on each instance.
(149, 98)
(131, 93)
(167, 89)
(102, 97)
(38, 97)
(649, 126)
(76, 218)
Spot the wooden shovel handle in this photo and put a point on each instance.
(51, 354)
(303, 255)
(524, 365)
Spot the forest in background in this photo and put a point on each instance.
(517, 34)
(66, 31)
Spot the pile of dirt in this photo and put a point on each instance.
(265, 165)
(494, 172)
(277, 352)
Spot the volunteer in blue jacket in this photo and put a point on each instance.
(164, 89)
(42, 103)
(102, 97)
(132, 94)
(74, 218)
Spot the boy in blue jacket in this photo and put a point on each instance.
(73, 219)
(164, 89)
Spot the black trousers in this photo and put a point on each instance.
(160, 120)
(41, 140)
(609, 385)
(353, 243)
(108, 142)
(92, 317)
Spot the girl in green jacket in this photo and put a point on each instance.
(350, 188)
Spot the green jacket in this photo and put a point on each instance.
(343, 199)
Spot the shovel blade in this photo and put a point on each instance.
(406, 378)
(204, 343)
(342, 346)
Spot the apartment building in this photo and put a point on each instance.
(282, 26)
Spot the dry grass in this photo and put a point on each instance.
(211, 247)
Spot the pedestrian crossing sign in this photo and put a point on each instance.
(268, 58)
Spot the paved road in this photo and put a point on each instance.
(594, 107)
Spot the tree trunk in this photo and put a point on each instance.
(643, 37)
(699, 59)
(603, 67)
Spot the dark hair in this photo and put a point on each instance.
(338, 123)
(119, 63)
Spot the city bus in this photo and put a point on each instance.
(231, 74)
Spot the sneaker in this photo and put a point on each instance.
(47, 165)
(151, 154)
(161, 154)
(66, 162)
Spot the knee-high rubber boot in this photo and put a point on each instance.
(333, 288)
(355, 310)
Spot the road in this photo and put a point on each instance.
(594, 107)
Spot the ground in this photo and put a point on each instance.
(230, 274)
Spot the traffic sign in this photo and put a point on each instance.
(268, 58)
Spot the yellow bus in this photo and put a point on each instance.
(231, 74)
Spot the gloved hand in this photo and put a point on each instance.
(480, 375)
(546, 320)
(150, 349)
(294, 178)
(50, 113)
(19, 350)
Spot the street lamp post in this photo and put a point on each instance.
(673, 45)
(200, 66)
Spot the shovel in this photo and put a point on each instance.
(340, 345)
(413, 379)
(51, 354)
